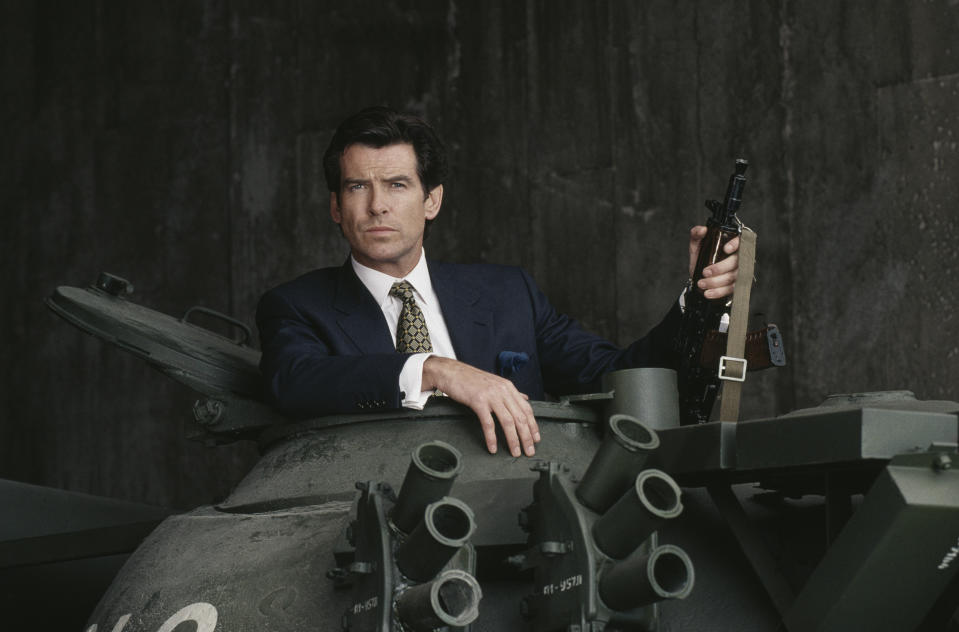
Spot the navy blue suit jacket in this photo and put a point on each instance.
(327, 348)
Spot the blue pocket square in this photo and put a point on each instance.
(509, 362)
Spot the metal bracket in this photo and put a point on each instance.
(585, 398)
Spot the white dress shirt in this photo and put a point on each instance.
(379, 284)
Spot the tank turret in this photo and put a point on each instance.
(614, 514)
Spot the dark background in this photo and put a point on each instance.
(178, 144)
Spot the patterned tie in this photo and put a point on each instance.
(411, 333)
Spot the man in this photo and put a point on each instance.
(483, 335)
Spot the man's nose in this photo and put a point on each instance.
(378, 204)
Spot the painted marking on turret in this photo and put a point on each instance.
(365, 606)
(950, 555)
(201, 613)
(567, 584)
(121, 623)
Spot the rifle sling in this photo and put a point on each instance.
(738, 318)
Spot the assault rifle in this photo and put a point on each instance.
(699, 385)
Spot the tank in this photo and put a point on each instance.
(624, 520)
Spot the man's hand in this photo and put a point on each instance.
(718, 279)
(487, 395)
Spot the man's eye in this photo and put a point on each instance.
(354, 187)
(399, 185)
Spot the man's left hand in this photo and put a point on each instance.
(719, 278)
(491, 397)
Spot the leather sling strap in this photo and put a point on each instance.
(732, 367)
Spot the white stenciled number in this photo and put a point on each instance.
(203, 614)
(950, 555)
(364, 606)
(121, 623)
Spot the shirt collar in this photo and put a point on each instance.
(379, 284)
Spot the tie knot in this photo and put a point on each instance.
(402, 290)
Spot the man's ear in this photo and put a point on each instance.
(433, 202)
(335, 208)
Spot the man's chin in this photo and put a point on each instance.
(384, 259)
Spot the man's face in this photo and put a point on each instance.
(381, 207)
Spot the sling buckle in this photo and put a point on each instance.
(737, 373)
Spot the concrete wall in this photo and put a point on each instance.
(179, 145)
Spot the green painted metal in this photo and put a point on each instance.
(895, 557)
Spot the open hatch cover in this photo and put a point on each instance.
(208, 362)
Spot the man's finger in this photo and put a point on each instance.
(721, 267)
(720, 280)
(533, 426)
(489, 429)
(521, 421)
(720, 286)
(508, 425)
(527, 413)
(731, 246)
(696, 234)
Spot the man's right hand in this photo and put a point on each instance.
(487, 395)
(719, 279)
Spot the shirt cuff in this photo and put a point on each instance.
(411, 381)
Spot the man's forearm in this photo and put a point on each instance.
(306, 386)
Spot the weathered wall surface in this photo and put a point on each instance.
(179, 146)
(874, 163)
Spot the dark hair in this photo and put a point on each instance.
(380, 126)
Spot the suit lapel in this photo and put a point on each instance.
(468, 321)
(362, 319)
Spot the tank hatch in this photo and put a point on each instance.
(206, 361)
